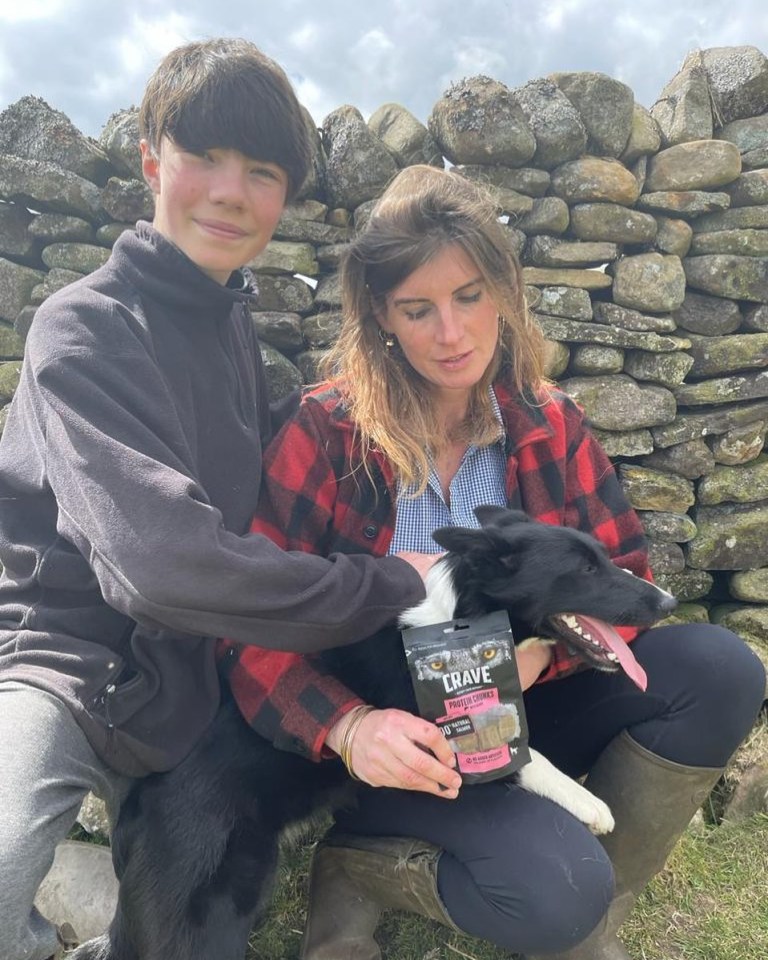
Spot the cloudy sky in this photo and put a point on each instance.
(92, 57)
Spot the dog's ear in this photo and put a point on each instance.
(459, 539)
(502, 516)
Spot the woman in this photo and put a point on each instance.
(436, 404)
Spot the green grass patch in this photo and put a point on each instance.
(709, 903)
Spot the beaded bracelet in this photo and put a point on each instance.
(356, 715)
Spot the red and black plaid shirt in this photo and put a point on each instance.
(317, 498)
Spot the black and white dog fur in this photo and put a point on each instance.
(196, 849)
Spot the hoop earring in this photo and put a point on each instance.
(388, 339)
(502, 324)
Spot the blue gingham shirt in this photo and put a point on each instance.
(481, 478)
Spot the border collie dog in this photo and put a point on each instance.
(196, 849)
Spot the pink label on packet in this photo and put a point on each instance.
(475, 703)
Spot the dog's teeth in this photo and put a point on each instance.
(577, 629)
(612, 656)
(571, 621)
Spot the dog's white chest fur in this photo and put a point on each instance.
(539, 776)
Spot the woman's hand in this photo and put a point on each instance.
(533, 657)
(422, 563)
(392, 748)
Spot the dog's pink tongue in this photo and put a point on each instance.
(611, 640)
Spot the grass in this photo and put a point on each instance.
(709, 903)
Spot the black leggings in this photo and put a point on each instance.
(520, 871)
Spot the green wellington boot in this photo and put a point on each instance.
(652, 801)
(353, 878)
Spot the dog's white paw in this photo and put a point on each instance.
(591, 810)
(540, 776)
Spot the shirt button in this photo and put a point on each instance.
(370, 530)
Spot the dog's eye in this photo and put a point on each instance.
(437, 664)
(590, 568)
(489, 653)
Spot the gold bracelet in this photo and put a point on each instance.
(356, 715)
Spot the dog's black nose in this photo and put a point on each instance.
(668, 603)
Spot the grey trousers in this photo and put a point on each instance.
(47, 767)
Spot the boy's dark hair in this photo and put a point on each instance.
(226, 93)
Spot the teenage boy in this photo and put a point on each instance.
(129, 470)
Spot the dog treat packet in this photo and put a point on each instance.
(465, 678)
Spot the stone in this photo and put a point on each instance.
(746, 243)
(668, 527)
(32, 130)
(569, 302)
(556, 359)
(511, 202)
(687, 585)
(107, 234)
(310, 364)
(478, 120)
(696, 165)
(750, 796)
(649, 281)
(686, 613)
(742, 351)
(328, 292)
(282, 294)
(339, 217)
(619, 403)
(119, 139)
(648, 489)
(612, 222)
(547, 215)
(644, 138)
(748, 386)
(745, 483)
(691, 459)
(737, 78)
(60, 228)
(281, 375)
(584, 279)
(592, 360)
(560, 328)
(308, 209)
(666, 369)
(15, 239)
(710, 316)
(282, 256)
(729, 536)
(555, 122)
(748, 190)
(751, 585)
(55, 279)
(321, 330)
(406, 138)
(606, 107)
(728, 275)
(128, 200)
(617, 316)
(756, 318)
(624, 443)
(330, 256)
(528, 180)
(358, 166)
(689, 425)
(44, 186)
(79, 257)
(741, 218)
(740, 444)
(80, 888)
(684, 203)
(11, 344)
(16, 284)
(93, 817)
(545, 251)
(280, 330)
(665, 558)
(10, 373)
(23, 320)
(595, 179)
(309, 231)
(684, 109)
(673, 236)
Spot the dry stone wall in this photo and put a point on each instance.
(644, 239)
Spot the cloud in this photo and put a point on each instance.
(90, 58)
